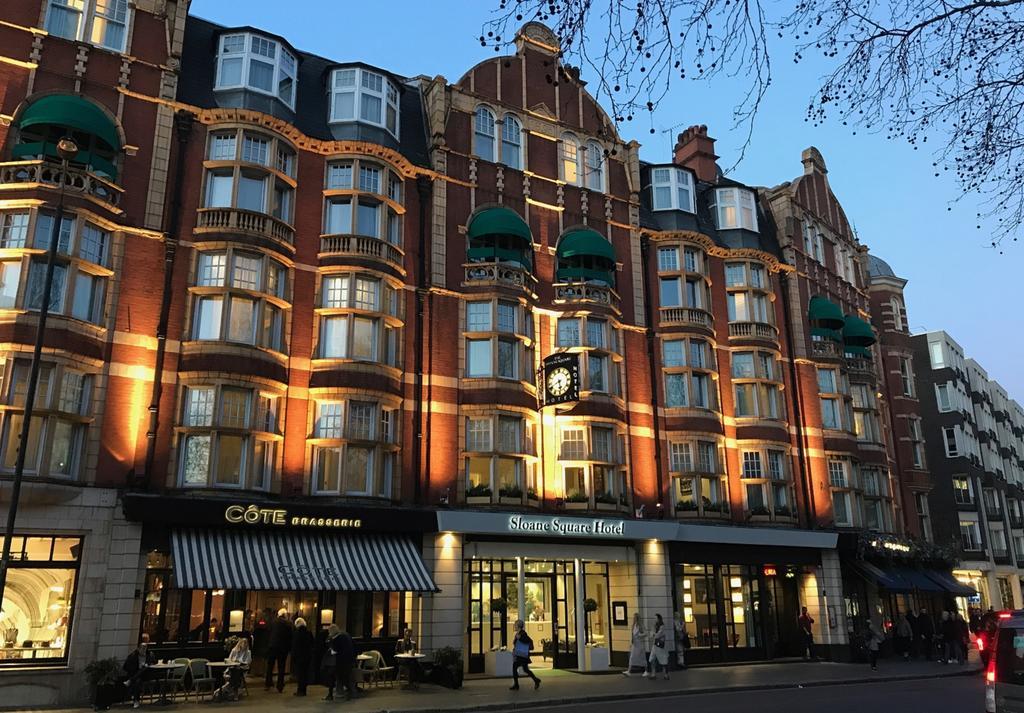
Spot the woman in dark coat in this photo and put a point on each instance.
(522, 644)
(302, 655)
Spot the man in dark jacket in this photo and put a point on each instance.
(302, 655)
(135, 667)
(345, 659)
(925, 633)
(277, 650)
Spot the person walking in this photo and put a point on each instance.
(522, 645)
(874, 643)
(806, 624)
(950, 634)
(963, 638)
(637, 647)
(659, 652)
(329, 663)
(903, 634)
(279, 645)
(302, 655)
(682, 639)
(926, 633)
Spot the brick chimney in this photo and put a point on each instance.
(696, 150)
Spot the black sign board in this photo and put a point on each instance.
(561, 374)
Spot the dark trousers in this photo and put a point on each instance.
(346, 678)
(280, 658)
(807, 645)
(301, 671)
(873, 657)
(518, 663)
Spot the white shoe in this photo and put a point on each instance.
(666, 676)
(136, 704)
(627, 674)
(646, 675)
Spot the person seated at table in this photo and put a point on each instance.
(241, 656)
(135, 666)
(406, 645)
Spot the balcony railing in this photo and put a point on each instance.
(507, 274)
(687, 316)
(76, 179)
(587, 292)
(826, 348)
(754, 330)
(362, 246)
(860, 366)
(244, 221)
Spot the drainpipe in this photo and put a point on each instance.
(810, 511)
(183, 129)
(423, 189)
(645, 245)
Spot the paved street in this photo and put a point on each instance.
(957, 695)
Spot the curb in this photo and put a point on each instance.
(633, 695)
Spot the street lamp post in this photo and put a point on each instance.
(67, 149)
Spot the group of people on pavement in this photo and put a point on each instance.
(329, 657)
(946, 639)
(649, 649)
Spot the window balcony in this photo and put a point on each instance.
(499, 273)
(826, 348)
(41, 173)
(754, 330)
(858, 366)
(684, 316)
(361, 246)
(586, 292)
(218, 220)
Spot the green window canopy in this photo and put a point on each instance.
(73, 112)
(825, 314)
(499, 221)
(832, 335)
(857, 332)
(861, 352)
(584, 241)
(485, 253)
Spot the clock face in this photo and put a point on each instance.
(559, 381)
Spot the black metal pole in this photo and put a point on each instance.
(67, 149)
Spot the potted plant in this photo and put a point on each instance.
(478, 494)
(759, 512)
(606, 501)
(577, 500)
(686, 506)
(104, 676)
(447, 669)
(512, 494)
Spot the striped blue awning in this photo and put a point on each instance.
(266, 559)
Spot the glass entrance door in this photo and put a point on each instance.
(565, 615)
(722, 612)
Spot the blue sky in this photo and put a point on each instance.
(888, 190)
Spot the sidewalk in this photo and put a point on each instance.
(563, 687)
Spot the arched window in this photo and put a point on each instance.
(512, 142)
(899, 315)
(595, 166)
(484, 134)
(570, 160)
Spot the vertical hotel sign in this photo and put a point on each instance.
(561, 379)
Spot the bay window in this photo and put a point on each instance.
(699, 483)
(836, 413)
(592, 462)
(865, 415)
(599, 346)
(250, 171)
(355, 447)
(687, 365)
(256, 63)
(499, 458)
(61, 416)
(841, 484)
(359, 318)
(239, 297)
(735, 208)
(756, 385)
(672, 189)
(365, 96)
(363, 198)
(767, 483)
(499, 340)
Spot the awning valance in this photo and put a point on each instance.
(584, 241)
(857, 332)
(265, 559)
(499, 221)
(73, 112)
(951, 584)
(823, 313)
(890, 580)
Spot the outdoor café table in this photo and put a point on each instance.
(163, 672)
(413, 662)
(218, 668)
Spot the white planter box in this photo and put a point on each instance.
(595, 658)
(498, 663)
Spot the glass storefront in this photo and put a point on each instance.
(735, 612)
(549, 608)
(39, 600)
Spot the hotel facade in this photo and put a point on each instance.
(397, 351)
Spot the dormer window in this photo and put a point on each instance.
(672, 189)
(365, 96)
(735, 209)
(255, 63)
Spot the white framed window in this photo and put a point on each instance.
(512, 141)
(944, 395)
(668, 259)
(570, 163)
(256, 63)
(595, 166)
(359, 94)
(906, 377)
(672, 189)
(970, 535)
(483, 134)
(735, 208)
(951, 442)
(103, 23)
(899, 314)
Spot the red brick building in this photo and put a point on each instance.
(299, 294)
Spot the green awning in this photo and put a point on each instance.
(494, 254)
(499, 221)
(833, 335)
(568, 274)
(584, 241)
(860, 352)
(823, 313)
(857, 332)
(72, 112)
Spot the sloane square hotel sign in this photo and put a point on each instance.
(565, 526)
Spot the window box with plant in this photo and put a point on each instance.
(478, 494)
(577, 500)
(759, 513)
(511, 495)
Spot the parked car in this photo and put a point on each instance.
(1004, 669)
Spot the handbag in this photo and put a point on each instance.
(521, 650)
(660, 643)
(686, 641)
